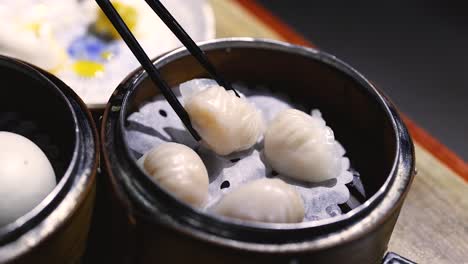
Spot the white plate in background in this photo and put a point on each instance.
(70, 22)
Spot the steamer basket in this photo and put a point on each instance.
(37, 105)
(156, 228)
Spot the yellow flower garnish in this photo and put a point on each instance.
(35, 28)
(107, 55)
(88, 69)
(128, 14)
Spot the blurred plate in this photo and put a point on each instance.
(89, 64)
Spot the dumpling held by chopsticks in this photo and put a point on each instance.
(225, 122)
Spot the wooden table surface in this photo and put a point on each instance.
(433, 224)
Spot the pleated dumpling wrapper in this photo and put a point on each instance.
(225, 122)
(263, 200)
(178, 170)
(302, 147)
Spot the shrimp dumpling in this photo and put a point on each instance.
(179, 170)
(225, 122)
(264, 200)
(302, 147)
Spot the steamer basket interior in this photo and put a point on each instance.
(33, 107)
(359, 120)
(364, 121)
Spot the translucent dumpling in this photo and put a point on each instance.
(302, 147)
(225, 122)
(179, 170)
(264, 200)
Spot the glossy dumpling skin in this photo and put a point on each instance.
(180, 171)
(225, 122)
(264, 200)
(302, 147)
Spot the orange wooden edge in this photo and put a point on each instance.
(437, 149)
(423, 138)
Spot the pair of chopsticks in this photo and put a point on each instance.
(146, 63)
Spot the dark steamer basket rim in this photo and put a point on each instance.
(220, 226)
(274, 45)
(34, 216)
(30, 229)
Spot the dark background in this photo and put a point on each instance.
(416, 51)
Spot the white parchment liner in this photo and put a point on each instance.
(156, 123)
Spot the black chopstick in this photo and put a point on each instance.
(191, 46)
(145, 61)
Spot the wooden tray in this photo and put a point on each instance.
(433, 224)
